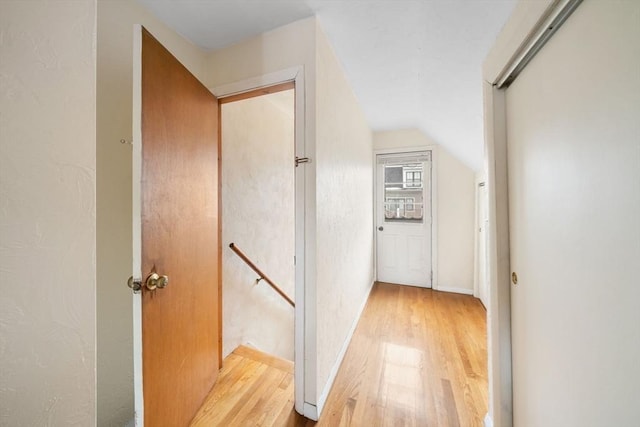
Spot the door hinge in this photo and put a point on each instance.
(302, 160)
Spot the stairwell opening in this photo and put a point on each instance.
(258, 216)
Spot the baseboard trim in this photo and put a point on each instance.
(336, 366)
(310, 411)
(488, 422)
(455, 290)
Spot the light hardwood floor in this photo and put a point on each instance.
(417, 358)
(253, 389)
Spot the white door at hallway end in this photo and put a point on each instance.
(403, 218)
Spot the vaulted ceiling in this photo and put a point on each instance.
(411, 63)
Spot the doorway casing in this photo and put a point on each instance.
(480, 279)
(295, 75)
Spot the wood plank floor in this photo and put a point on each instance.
(417, 358)
(253, 389)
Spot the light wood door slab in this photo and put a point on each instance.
(179, 210)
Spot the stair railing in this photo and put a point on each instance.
(263, 276)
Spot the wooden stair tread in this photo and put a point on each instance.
(262, 357)
(253, 388)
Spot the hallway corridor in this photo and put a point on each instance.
(417, 358)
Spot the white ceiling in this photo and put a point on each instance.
(411, 63)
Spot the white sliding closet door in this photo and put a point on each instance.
(573, 130)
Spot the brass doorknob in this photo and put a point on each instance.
(155, 281)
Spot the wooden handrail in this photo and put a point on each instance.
(263, 276)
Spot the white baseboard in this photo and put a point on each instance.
(455, 290)
(343, 351)
(488, 422)
(310, 411)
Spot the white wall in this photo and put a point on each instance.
(454, 194)
(284, 47)
(258, 215)
(47, 213)
(114, 250)
(456, 223)
(344, 211)
(573, 130)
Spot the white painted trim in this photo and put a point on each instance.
(476, 242)
(410, 149)
(499, 308)
(310, 411)
(336, 366)
(300, 243)
(374, 209)
(435, 284)
(257, 82)
(476, 253)
(488, 422)
(136, 209)
(455, 290)
(295, 74)
(434, 204)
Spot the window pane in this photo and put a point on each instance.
(403, 188)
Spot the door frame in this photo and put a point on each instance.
(434, 204)
(523, 35)
(481, 186)
(136, 211)
(295, 75)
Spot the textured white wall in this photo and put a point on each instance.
(258, 215)
(114, 114)
(345, 208)
(573, 131)
(284, 47)
(47, 213)
(455, 201)
(456, 223)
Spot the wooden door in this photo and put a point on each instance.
(178, 214)
(404, 218)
